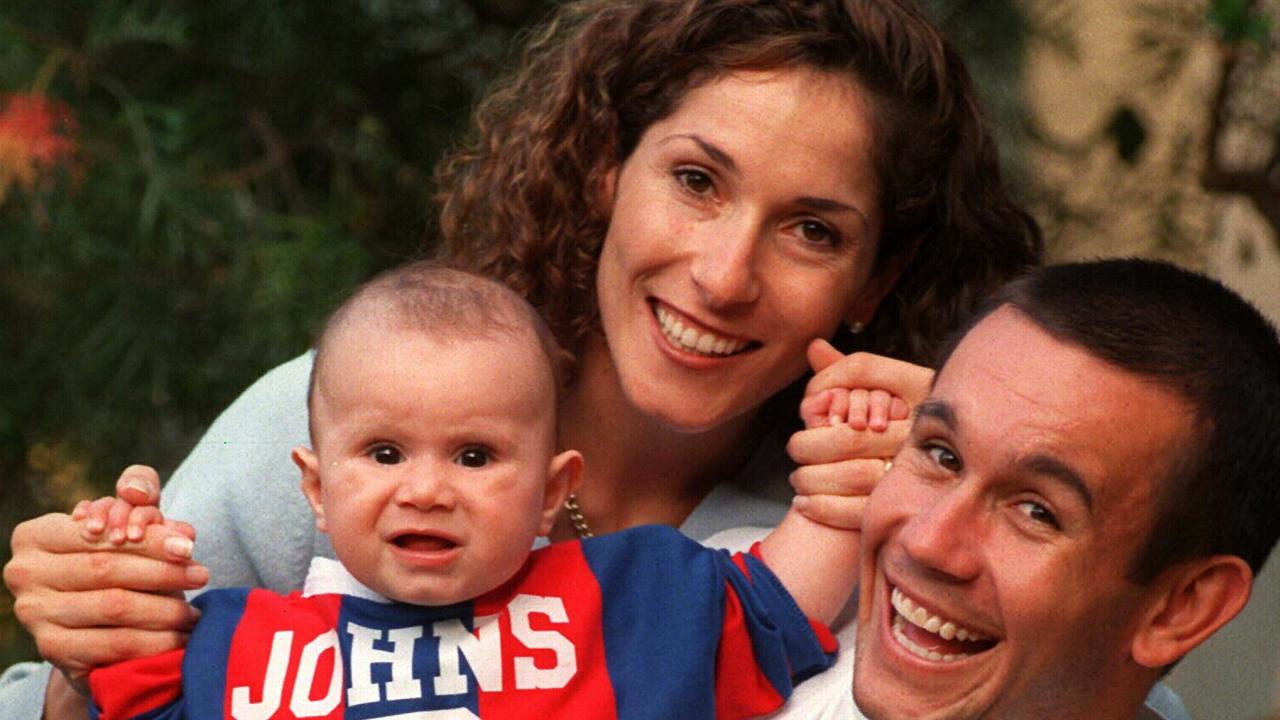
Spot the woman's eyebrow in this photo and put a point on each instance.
(713, 151)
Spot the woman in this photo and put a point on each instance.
(691, 191)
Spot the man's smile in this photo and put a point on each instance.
(931, 636)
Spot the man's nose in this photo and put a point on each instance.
(725, 267)
(944, 536)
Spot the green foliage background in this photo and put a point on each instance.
(240, 166)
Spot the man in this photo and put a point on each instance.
(1085, 496)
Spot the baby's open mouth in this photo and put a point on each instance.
(423, 543)
(931, 636)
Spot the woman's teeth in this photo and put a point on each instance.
(909, 612)
(693, 340)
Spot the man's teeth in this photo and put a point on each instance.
(909, 612)
(692, 340)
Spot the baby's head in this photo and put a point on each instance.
(433, 461)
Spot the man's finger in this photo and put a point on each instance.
(849, 477)
(822, 354)
(823, 445)
(835, 511)
(910, 382)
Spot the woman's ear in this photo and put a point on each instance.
(564, 473)
(1191, 602)
(306, 460)
(879, 285)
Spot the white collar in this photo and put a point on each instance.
(327, 576)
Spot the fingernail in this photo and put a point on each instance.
(95, 525)
(135, 532)
(138, 485)
(117, 535)
(833, 420)
(800, 502)
(179, 546)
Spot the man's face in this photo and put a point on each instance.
(997, 547)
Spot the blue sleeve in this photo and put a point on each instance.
(239, 487)
(664, 600)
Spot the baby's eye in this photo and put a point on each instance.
(386, 455)
(695, 181)
(473, 457)
(945, 459)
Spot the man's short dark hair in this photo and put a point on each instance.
(1193, 336)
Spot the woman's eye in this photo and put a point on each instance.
(1039, 513)
(696, 182)
(817, 233)
(944, 458)
(386, 455)
(473, 457)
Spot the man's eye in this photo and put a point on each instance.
(695, 181)
(945, 459)
(473, 457)
(1039, 513)
(386, 455)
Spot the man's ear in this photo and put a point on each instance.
(564, 472)
(880, 284)
(306, 460)
(1194, 600)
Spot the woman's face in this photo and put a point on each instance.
(743, 226)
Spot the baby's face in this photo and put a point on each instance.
(432, 459)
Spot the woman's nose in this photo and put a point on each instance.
(725, 267)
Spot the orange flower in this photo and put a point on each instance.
(36, 136)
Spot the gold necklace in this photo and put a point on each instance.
(576, 518)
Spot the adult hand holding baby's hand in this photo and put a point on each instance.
(89, 601)
(856, 412)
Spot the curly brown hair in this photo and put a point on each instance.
(522, 197)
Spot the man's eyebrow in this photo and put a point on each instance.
(937, 410)
(1061, 472)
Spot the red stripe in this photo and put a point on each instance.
(134, 687)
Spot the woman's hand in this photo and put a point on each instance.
(89, 601)
(856, 412)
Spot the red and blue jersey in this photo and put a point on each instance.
(639, 624)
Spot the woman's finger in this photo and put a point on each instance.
(832, 510)
(848, 477)
(818, 446)
(139, 485)
(114, 608)
(79, 650)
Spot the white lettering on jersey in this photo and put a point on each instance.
(364, 656)
(483, 651)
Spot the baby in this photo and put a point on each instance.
(433, 467)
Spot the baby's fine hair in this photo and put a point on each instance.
(442, 302)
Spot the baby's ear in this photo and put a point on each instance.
(564, 472)
(306, 460)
